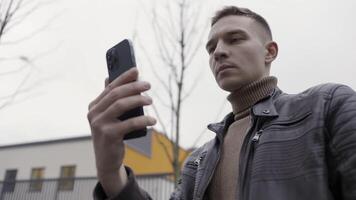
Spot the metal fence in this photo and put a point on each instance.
(158, 186)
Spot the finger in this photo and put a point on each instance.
(128, 76)
(125, 104)
(134, 124)
(130, 89)
(106, 81)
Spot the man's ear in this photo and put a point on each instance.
(271, 52)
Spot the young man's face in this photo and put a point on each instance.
(236, 46)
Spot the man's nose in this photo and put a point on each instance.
(220, 52)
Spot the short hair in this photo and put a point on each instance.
(234, 10)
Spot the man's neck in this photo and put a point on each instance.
(242, 99)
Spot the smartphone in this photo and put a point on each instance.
(121, 58)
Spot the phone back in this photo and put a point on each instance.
(120, 58)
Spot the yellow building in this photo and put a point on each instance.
(151, 154)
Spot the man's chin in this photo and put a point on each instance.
(229, 86)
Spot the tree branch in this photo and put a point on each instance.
(18, 89)
(6, 19)
(166, 57)
(160, 99)
(192, 54)
(221, 108)
(33, 33)
(164, 130)
(152, 67)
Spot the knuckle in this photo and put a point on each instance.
(89, 116)
(121, 129)
(144, 101)
(92, 113)
(134, 123)
(148, 99)
(91, 104)
(96, 125)
(118, 105)
(104, 130)
(148, 121)
(114, 95)
(135, 87)
(138, 101)
(109, 87)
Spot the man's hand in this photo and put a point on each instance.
(121, 95)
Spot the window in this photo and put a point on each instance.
(66, 181)
(10, 180)
(37, 175)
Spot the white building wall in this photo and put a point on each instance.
(51, 156)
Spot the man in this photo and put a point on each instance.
(271, 146)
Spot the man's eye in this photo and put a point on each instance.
(210, 50)
(234, 40)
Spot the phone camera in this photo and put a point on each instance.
(110, 59)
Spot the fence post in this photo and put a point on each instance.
(2, 191)
(57, 188)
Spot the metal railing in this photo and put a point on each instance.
(158, 186)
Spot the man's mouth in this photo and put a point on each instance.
(222, 67)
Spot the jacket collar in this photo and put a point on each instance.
(263, 108)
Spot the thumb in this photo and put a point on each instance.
(106, 82)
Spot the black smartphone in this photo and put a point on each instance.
(121, 58)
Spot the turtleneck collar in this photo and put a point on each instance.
(242, 99)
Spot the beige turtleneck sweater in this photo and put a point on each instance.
(223, 185)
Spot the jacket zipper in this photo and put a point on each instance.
(243, 168)
(250, 148)
(197, 161)
(251, 151)
(256, 137)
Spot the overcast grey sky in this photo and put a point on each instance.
(316, 44)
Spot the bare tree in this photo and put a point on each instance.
(12, 14)
(179, 29)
